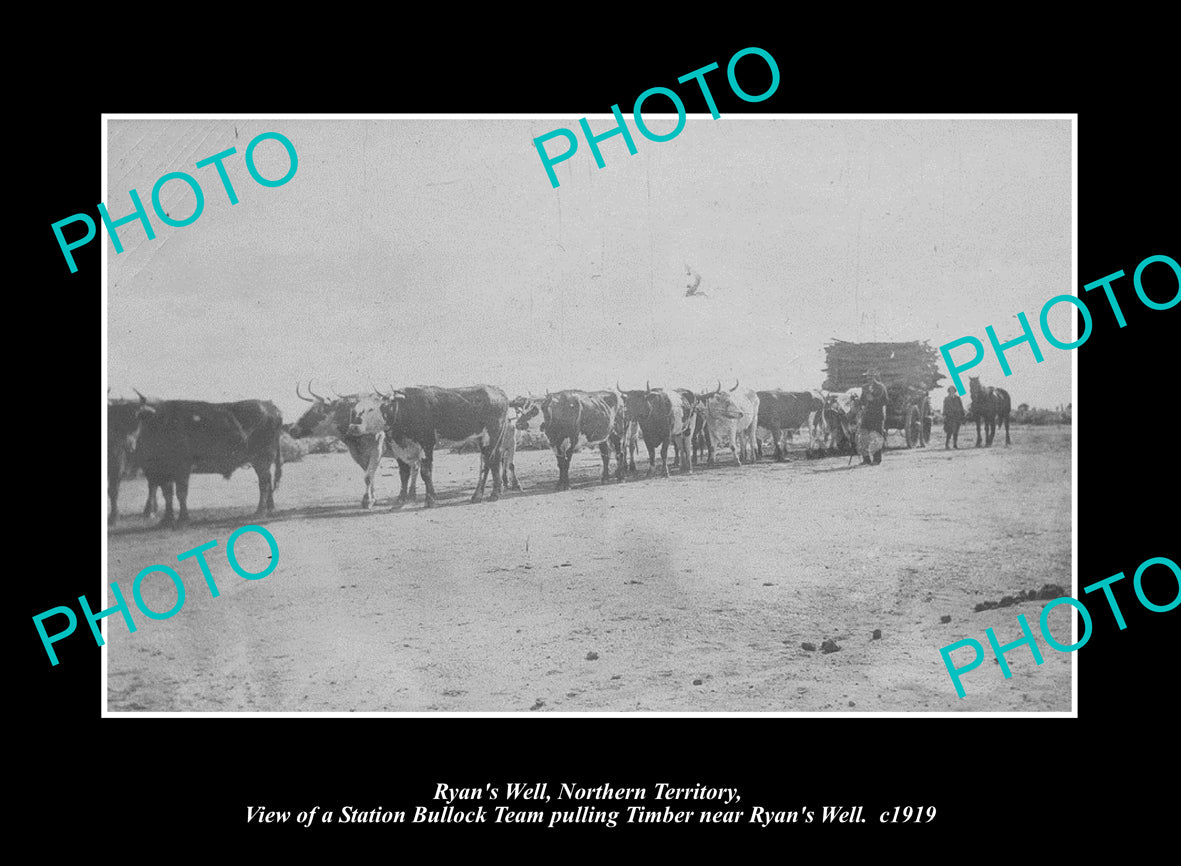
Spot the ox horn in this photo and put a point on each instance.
(647, 386)
(301, 396)
(735, 388)
(314, 394)
(617, 388)
(719, 391)
(142, 398)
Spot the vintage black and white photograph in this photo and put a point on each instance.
(674, 436)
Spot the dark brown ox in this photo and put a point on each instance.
(182, 437)
(416, 420)
(783, 412)
(663, 419)
(575, 419)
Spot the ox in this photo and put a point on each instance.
(521, 410)
(694, 417)
(332, 418)
(123, 429)
(575, 419)
(180, 437)
(664, 418)
(415, 420)
(732, 417)
(831, 430)
(702, 444)
(784, 411)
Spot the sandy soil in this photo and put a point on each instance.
(688, 594)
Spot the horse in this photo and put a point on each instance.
(990, 405)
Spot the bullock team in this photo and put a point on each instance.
(169, 440)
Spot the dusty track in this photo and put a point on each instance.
(716, 577)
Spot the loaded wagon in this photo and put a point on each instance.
(908, 370)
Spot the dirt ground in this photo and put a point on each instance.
(692, 594)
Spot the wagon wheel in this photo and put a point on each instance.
(914, 427)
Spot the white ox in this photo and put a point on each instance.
(732, 418)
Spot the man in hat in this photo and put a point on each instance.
(953, 416)
(871, 435)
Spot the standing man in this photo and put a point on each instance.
(871, 434)
(953, 416)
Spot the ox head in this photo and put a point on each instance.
(369, 414)
(638, 405)
(124, 418)
(522, 410)
(719, 404)
(147, 409)
(319, 419)
(561, 408)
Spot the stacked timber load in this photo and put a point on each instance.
(911, 365)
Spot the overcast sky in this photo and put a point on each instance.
(437, 252)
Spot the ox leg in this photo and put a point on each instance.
(485, 468)
(266, 495)
(978, 442)
(370, 497)
(1007, 440)
(404, 470)
(426, 466)
(266, 490)
(113, 494)
(497, 459)
(563, 468)
(605, 453)
(709, 449)
(150, 504)
(182, 499)
(489, 463)
(685, 462)
(664, 457)
(166, 490)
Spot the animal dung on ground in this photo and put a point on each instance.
(697, 682)
(592, 656)
(829, 646)
(810, 647)
(877, 634)
(945, 618)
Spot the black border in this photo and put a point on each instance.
(161, 777)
